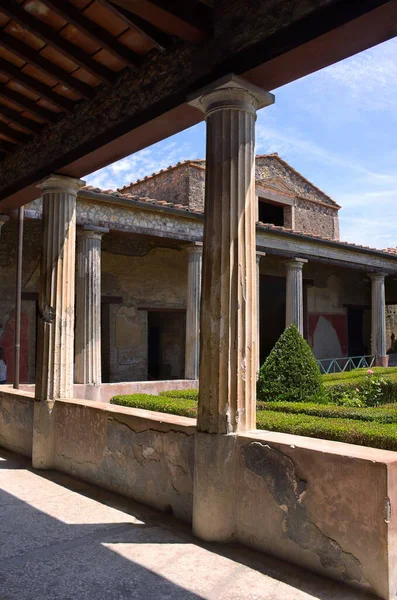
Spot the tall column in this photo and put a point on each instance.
(294, 300)
(258, 295)
(195, 254)
(3, 220)
(228, 344)
(88, 306)
(378, 319)
(228, 327)
(54, 370)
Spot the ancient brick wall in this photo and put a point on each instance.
(169, 185)
(316, 219)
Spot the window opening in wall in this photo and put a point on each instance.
(270, 213)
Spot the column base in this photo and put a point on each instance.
(382, 361)
(43, 450)
(214, 487)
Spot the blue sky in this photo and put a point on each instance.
(338, 127)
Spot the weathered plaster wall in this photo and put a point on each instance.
(157, 280)
(143, 455)
(307, 502)
(16, 421)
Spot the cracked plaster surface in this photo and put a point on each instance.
(288, 489)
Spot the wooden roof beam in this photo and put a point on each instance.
(160, 40)
(14, 115)
(73, 16)
(189, 21)
(28, 54)
(12, 133)
(30, 105)
(15, 12)
(35, 86)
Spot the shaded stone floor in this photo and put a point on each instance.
(62, 539)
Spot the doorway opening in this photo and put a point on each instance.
(166, 344)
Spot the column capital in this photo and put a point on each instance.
(259, 255)
(230, 92)
(195, 248)
(296, 263)
(377, 276)
(61, 183)
(88, 231)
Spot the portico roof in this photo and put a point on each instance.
(84, 83)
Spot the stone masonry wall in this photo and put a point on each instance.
(185, 185)
(313, 218)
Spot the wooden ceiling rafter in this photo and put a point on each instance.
(191, 21)
(155, 36)
(19, 119)
(30, 105)
(35, 86)
(72, 15)
(12, 133)
(28, 54)
(51, 37)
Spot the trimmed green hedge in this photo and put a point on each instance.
(375, 435)
(353, 376)
(190, 394)
(290, 372)
(174, 406)
(384, 414)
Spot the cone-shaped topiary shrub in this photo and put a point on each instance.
(290, 372)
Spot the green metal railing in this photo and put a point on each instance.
(347, 363)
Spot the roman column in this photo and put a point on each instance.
(195, 253)
(228, 327)
(378, 319)
(258, 263)
(55, 350)
(88, 306)
(3, 221)
(294, 299)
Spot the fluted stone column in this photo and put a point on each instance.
(192, 350)
(3, 221)
(258, 264)
(54, 365)
(294, 300)
(229, 327)
(88, 306)
(378, 319)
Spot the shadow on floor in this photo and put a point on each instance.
(62, 538)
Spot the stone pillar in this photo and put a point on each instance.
(258, 263)
(294, 300)
(3, 221)
(378, 319)
(195, 254)
(54, 365)
(229, 326)
(88, 306)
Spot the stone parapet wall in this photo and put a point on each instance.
(16, 420)
(323, 519)
(326, 506)
(143, 455)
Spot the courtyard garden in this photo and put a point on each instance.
(357, 407)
